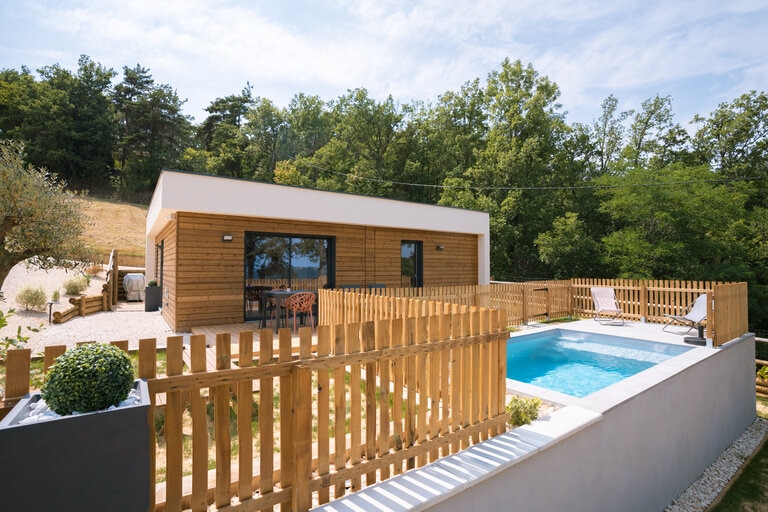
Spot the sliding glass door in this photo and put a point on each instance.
(290, 261)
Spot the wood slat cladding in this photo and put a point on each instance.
(170, 274)
(204, 275)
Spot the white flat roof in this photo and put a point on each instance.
(181, 191)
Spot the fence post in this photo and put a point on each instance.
(525, 305)
(301, 416)
(115, 276)
(17, 363)
(148, 370)
(287, 428)
(643, 301)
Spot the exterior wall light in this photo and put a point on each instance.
(440, 247)
(226, 238)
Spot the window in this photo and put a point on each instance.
(292, 261)
(411, 256)
(288, 259)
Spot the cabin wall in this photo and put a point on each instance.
(204, 276)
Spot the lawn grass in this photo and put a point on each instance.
(750, 490)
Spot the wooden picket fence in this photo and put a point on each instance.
(640, 300)
(375, 398)
(521, 302)
(650, 300)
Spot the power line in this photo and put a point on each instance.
(568, 187)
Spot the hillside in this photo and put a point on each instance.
(115, 225)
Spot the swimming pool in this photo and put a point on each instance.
(578, 363)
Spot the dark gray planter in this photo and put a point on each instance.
(95, 461)
(153, 298)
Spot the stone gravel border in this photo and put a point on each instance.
(718, 477)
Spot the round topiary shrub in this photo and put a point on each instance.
(88, 378)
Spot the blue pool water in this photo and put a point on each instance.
(579, 363)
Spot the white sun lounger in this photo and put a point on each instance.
(696, 313)
(607, 310)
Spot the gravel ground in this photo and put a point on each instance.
(129, 321)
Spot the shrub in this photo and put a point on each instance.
(152, 283)
(9, 342)
(88, 378)
(523, 410)
(94, 269)
(32, 298)
(76, 285)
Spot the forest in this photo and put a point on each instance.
(634, 194)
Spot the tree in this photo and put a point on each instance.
(66, 120)
(654, 139)
(152, 131)
(265, 130)
(365, 131)
(609, 134)
(39, 221)
(734, 141)
(526, 133)
(674, 223)
(309, 125)
(220, 139)
(568, 249)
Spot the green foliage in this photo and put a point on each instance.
(88, 378)
(56, 295)
(31, 297)
(40, 222)
(66, 119)
(568, 249)
(76, 285)
(522, 410)
(763, 373)
(152, 283)
(11, 342)
(152, 132)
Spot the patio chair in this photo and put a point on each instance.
(607, 310)
(695, 314)
(301, 302)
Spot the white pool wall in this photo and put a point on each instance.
(633, 446)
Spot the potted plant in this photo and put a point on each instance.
(97, 458)
(153, 296)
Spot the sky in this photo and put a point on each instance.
(701, 53)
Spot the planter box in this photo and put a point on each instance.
(153, 298)
(94, 461)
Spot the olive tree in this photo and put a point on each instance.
(40, 222)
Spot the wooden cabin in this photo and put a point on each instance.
(212, 240)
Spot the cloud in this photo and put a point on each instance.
(411, 50)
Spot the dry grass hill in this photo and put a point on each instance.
(115, 225)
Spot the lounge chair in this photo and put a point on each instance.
(695, 314)
(607, 310)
